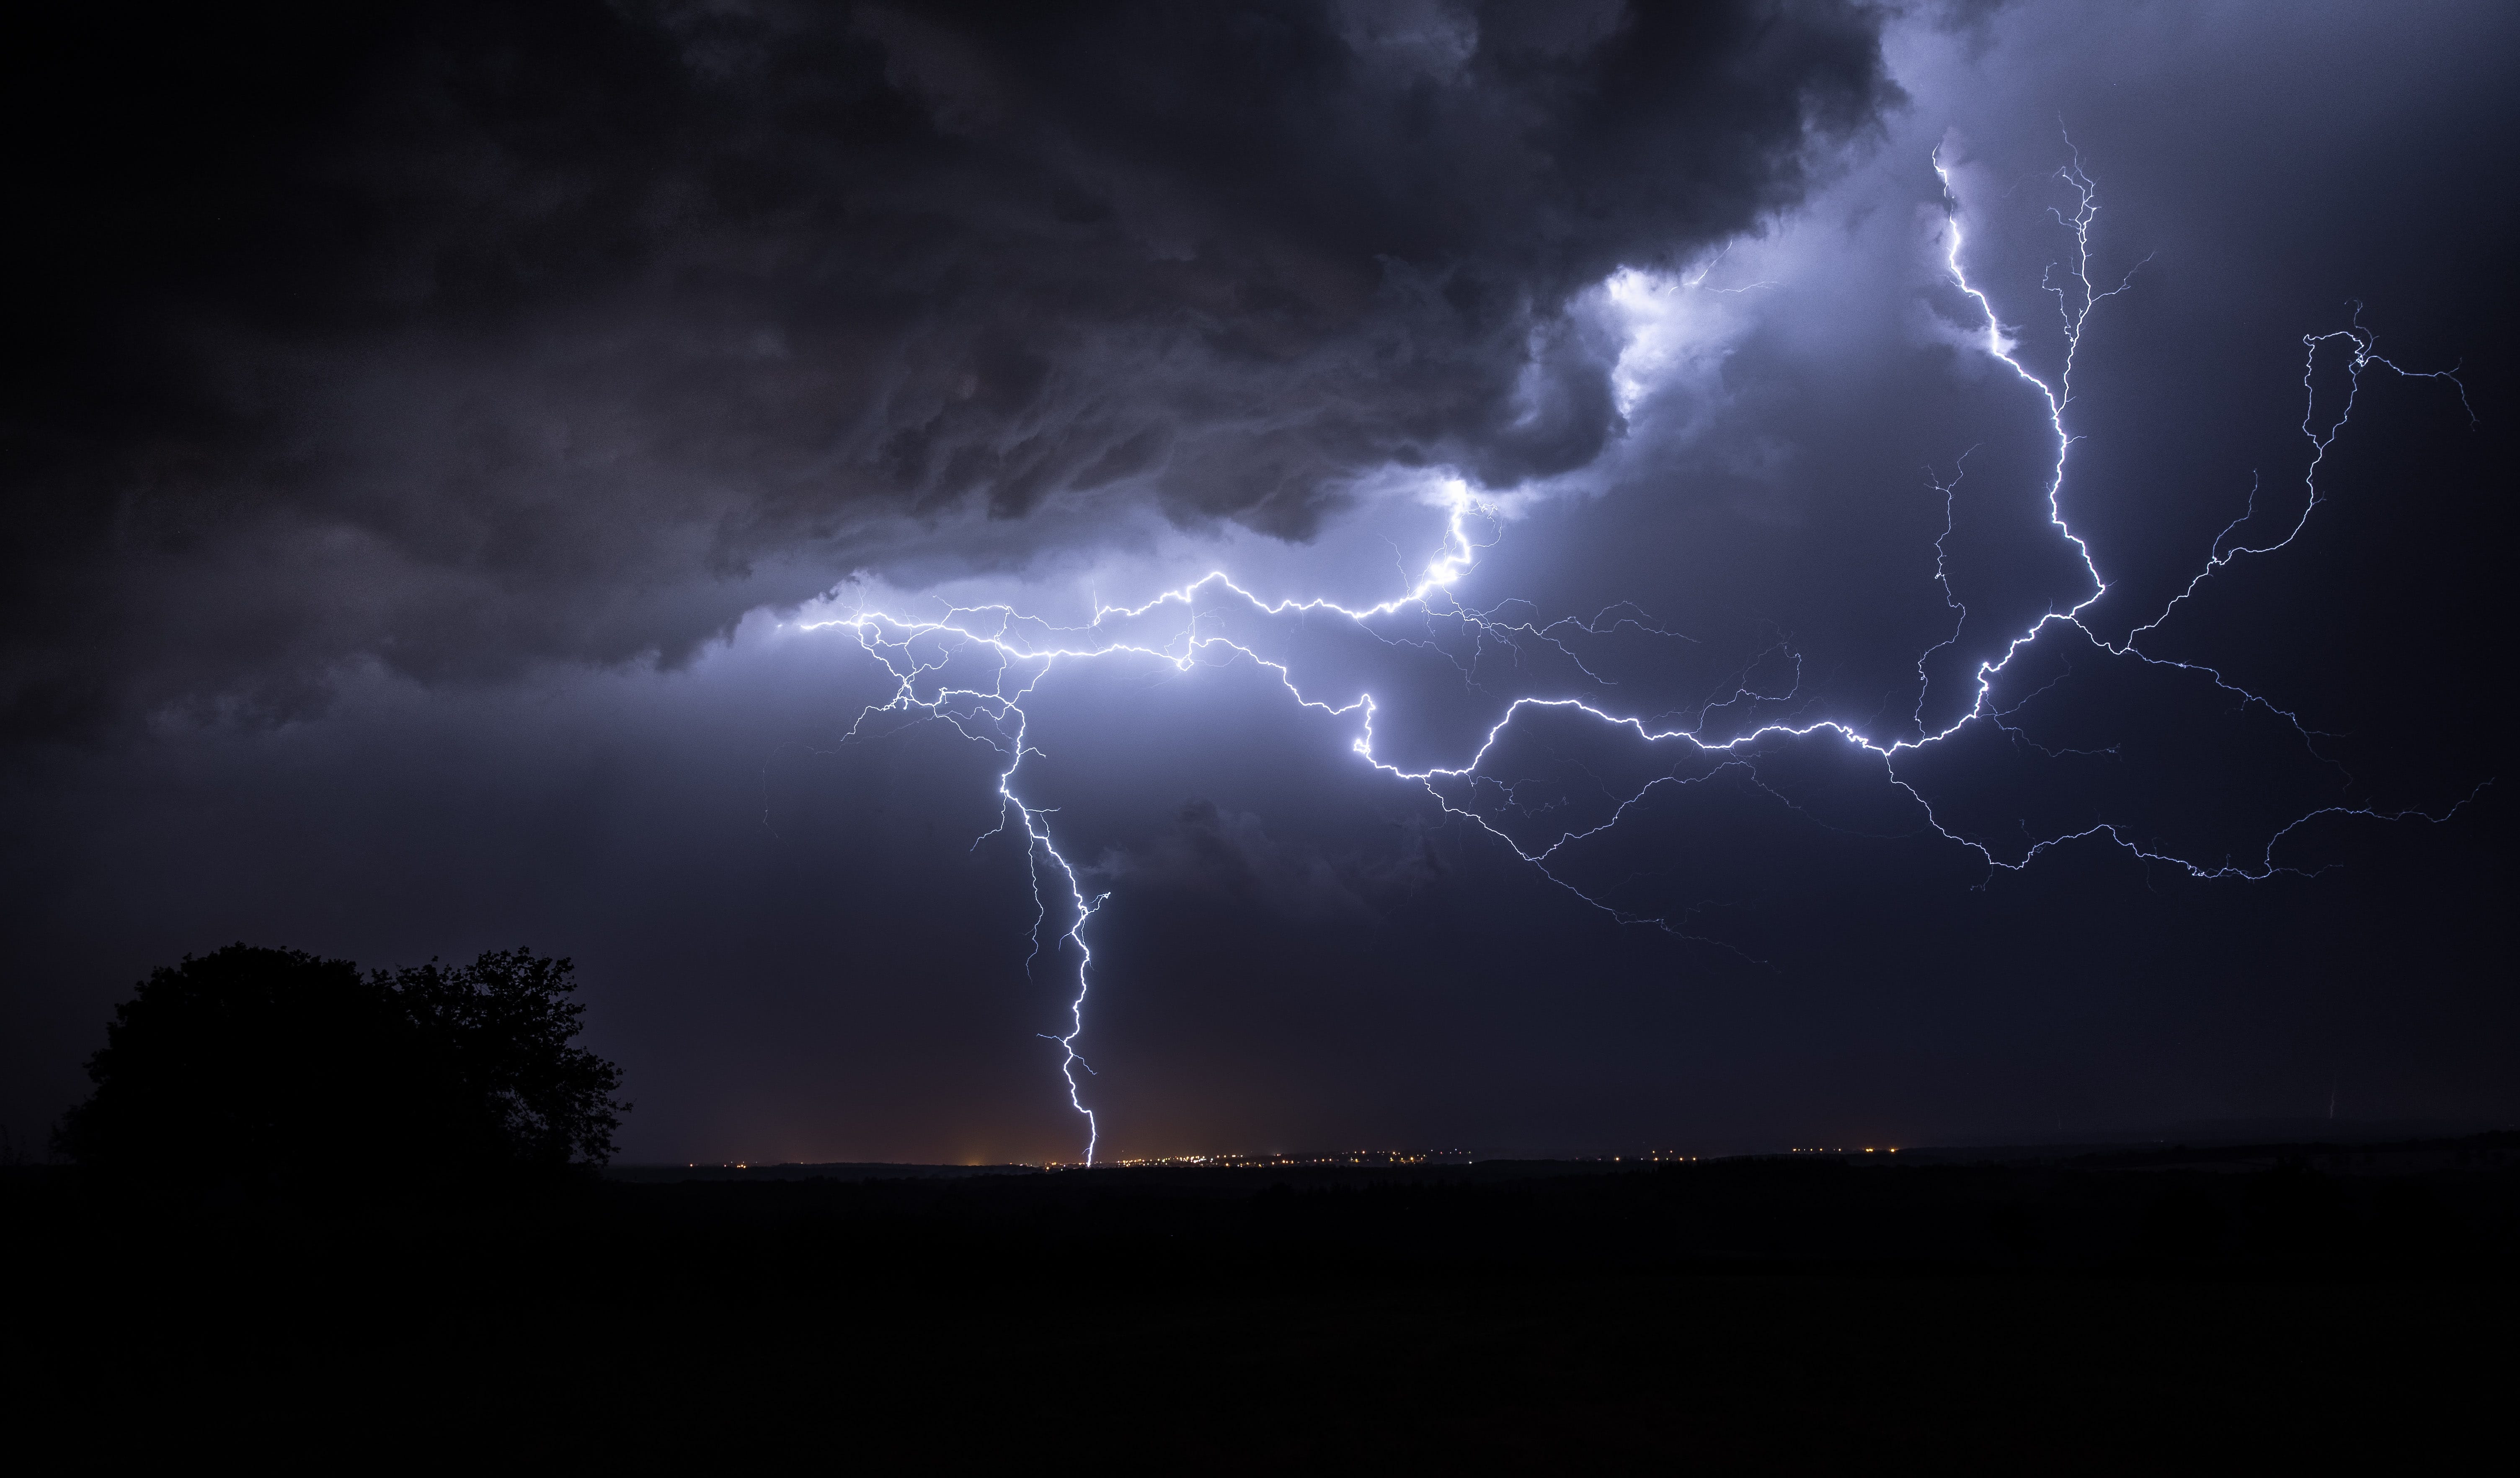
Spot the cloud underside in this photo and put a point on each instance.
(464, 340)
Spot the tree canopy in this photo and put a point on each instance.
(288, 1073)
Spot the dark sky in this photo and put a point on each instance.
(438, 442)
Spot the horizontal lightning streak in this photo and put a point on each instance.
(1023, 650)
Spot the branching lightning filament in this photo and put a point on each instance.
(1018, 652)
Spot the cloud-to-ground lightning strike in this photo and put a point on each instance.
(1017, 652)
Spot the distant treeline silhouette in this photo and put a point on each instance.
(273, 1072)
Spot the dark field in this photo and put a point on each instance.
(2102, 1314)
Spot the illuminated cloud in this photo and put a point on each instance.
(575, 332)
(1495, 356)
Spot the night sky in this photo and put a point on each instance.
(468, 469)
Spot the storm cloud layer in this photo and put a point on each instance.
(402, 404)
(459, 338)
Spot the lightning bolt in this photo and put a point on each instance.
(1013, 653)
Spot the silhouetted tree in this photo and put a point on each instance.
(283, 1072)
(497, 1032)
(248, 1064)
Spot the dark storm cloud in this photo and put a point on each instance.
(455, 363)
(459, 338)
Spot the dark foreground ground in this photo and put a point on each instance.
(2117, 1312)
